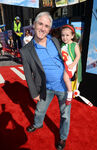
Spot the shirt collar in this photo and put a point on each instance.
(37, 45)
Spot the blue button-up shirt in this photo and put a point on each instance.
(52, 64)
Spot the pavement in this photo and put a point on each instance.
(9, 60)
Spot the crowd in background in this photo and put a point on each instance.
(13, 40)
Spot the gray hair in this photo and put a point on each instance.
(44, 14)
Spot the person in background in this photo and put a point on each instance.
(11, 44)
(0, 30)
(17, 32)
(43, 67)
(71, 56)
(1, 48)
(27, 37)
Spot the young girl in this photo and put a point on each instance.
(71, 55)
(11, 44)
(27, 37)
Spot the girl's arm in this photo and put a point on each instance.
(77, 52)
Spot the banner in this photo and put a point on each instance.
(47, 3)
(67, 2)
(79, 27)
(61, 3)
(92, 49)
(82, 0)
(70, 2)
(60, 22)
(25, 3)
(57, 25)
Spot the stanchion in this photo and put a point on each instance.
(77, 94)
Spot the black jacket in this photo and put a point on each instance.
(33, 69)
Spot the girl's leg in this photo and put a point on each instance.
(69, 88)
(67, 81)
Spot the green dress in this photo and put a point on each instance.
(71, 52)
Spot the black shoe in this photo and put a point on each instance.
(32, 129)
(61, 145)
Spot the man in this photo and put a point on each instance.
(16, 30)
(43, 68)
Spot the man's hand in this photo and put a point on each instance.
(37, 98)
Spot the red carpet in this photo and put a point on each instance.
(17, 111)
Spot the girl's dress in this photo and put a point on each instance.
(68, 53)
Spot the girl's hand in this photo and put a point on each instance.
(71, 66)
